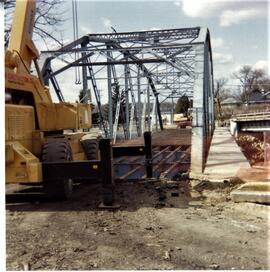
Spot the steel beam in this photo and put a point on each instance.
(85, 90)
(127, 101)
(120, 62)
(139, 102)
(72, 64)
(109, 86)
(165, 34)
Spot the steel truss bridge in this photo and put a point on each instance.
(145, 68)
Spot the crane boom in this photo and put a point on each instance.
(21, 34)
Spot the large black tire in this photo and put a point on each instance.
(90, 147)
(57, 150)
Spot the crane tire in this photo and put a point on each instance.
(57, 150)
(90, 147)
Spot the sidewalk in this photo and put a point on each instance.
(225, 158)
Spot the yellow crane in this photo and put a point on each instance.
(36, 127)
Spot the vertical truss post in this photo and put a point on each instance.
(179, 80)
(127, 99)
(148, 109)
(143, 113)
(153, 114)
(139, 102)
(173, 79)
(131, 121)
(85, 91)
(116, 118)
(159, 113)
(148, 154)
(133, 104)
(166, 67)
(133, 112)
(106, 158)
(172, 111)
(118, 106)
(109, 75)
(114, 71)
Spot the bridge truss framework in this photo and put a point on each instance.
(145, 67)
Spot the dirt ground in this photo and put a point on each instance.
(160, 225)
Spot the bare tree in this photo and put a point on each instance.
(263, 84)
(49, 17)
(220, 89)
(219, 84)
(220, 94)
(249, 79)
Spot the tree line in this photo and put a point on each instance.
(249, 80)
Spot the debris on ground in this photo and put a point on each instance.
(214, 266)
(183, 232)
(167, 255)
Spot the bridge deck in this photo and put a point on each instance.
(174, 136)
(225, 158)
(171, 156)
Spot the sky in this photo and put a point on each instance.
(239, 29)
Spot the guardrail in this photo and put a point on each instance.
(251, 116)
